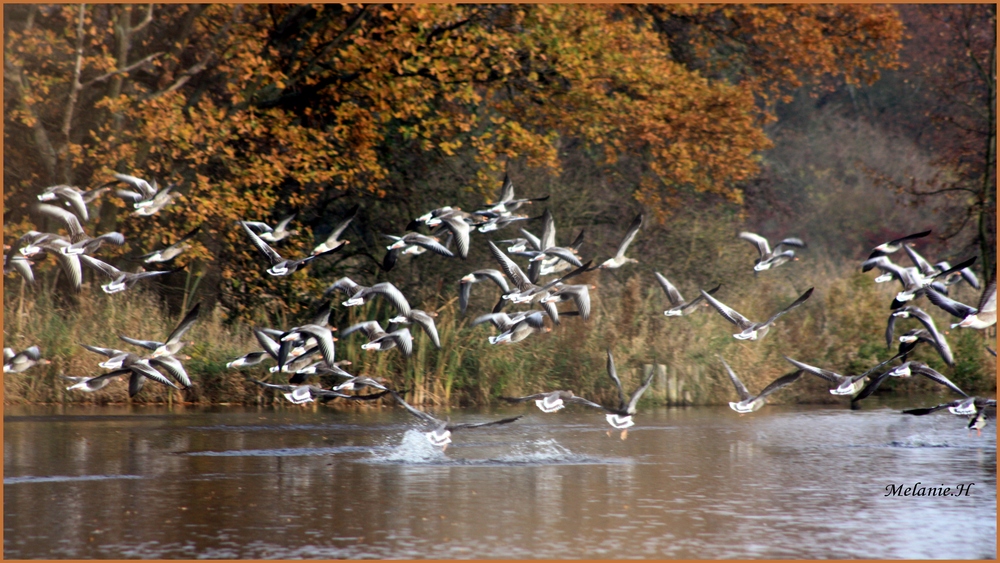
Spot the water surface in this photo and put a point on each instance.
(698, 482)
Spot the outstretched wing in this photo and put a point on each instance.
(802, 299)
(740, 388)
(763, 247)
(727, 312)
(633, 229)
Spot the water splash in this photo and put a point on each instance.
(414, 449)
(546, 450)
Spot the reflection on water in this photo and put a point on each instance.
(792, 482)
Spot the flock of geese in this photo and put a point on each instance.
(309, 350)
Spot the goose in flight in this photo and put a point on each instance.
(844, 385)
(385, 289)
(552, 401)
(771, 258)
(80, 241)
(144, 194)
(908, 369)
(619, 259)
(279, 266)
(120, 281)
(299, 394)
(749, 403)
(513, 328)
(962, 407)
(580, 294)
(621, 417)
(506, 204)
(333, 241)
(750, 330)
(73, 197)
(16, 362)
(982, 316)
(679, 305)
(424, 320)
(441, 434)
(273, 234)
(894, 245)
(465, 284)
(380, 340)
(172, 251)
(173, 343)
(908, 312)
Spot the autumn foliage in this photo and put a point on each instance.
(259, 111)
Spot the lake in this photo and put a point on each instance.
(303, 482)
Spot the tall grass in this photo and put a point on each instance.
(840, 328)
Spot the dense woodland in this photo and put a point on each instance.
(844, 125)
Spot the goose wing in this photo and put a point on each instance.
(672, 294)
(392, 294)
(828, 375)
(535, 242)
(404, 340)
(548, 237)
(339, 229)
(460, 229)
(481, 424)
(763, 247)
(75, 199)
(148, 344)
(613, 374)
(174, 367)
(143, 368)
(727, 312)
(72, 222)
(143, 186)
(740, 388)
(426, 322)
(701, 298)
(802, 299)
(563, 254)
(782, 381)
(988, 300)
(262, 246)
(933, 375)
(955, 308)
(630, 408)
(430, 243)
(102, 267)
(919, 261)
(324, 339)
(513, 271)
(283, 225)
(266, 342)
(186, 323)
(415, 412)
(633, 229)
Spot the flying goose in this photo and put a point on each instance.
(333, 241)
(120, 281)
(162, 199)
(916, 313)
(16, 262)
(580, 294)
(962, 407)
(172, 251)
(279, 266)
(72, 196)
(619, 259)
(465, 284)
(422, 318)
(908, 369)
(964, 274)
(771, 258)
(384, 289)
(749, 329)
(23, 360)
(299, 394)
(507, 203)
(748, 403)
(845, 385)
(621, 417)
(513, 328)
(275, 234)
(380, 340)
(324, 340)
(145, 194)
(173, 343)
(910, 339)
(87, 384)
(441, 434)
(552, 401)
(680, 307)
(982, 316)
(894, 245)
(978, 422)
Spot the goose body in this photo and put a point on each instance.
(771, 258)
(751, 330)
(749, 403)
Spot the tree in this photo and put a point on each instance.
(260, 111)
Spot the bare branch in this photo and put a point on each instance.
(116, 72)
(145, 21)
(74, 91)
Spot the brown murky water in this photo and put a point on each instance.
(785, 482)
